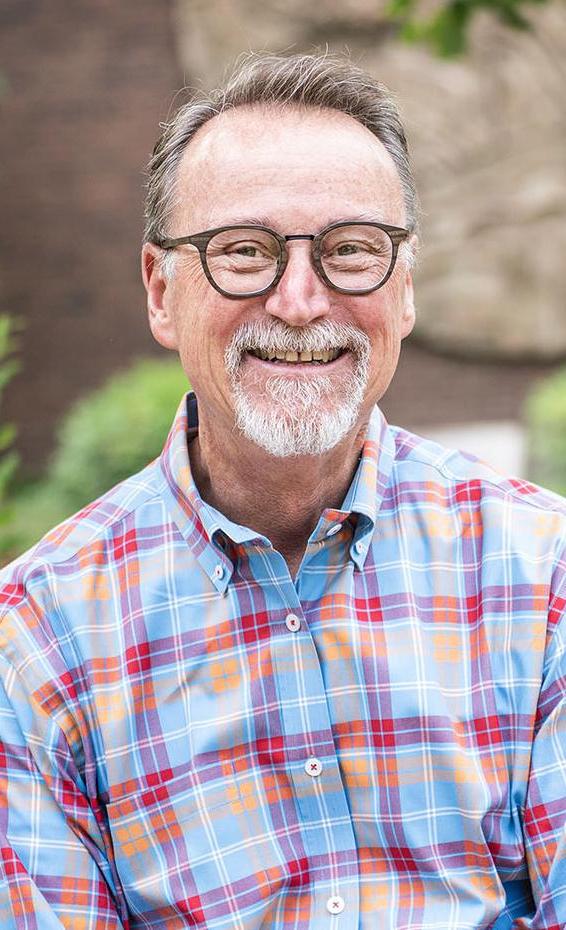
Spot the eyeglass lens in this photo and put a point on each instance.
(244, 260)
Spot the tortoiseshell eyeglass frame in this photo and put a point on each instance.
(201, 240)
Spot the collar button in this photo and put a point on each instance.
(334, 529)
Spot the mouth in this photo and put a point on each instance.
(322, 357)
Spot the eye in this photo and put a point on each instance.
(349, 248)
(248, 251)
(253, 251)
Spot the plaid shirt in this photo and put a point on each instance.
(192, 739)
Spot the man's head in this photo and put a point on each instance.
(297, 145)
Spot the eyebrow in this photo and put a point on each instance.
(246, 220)
(371, 216)
(363, 216)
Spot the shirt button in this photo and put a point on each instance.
(292, 622)
(334, 529)
(313, 767)
(335, 904)
(218, 571)
(360, 547)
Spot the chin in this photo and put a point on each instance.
(285, 431)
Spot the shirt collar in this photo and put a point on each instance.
(203, 527)
(365, 494)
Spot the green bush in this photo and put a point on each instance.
(116, 430)
(8, 368)
(546, 432)
(105, 437)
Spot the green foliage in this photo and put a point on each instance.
(546, 432)
(445, 30)
(8, 368)
(33, 511)
(107, 436)
(116, 430)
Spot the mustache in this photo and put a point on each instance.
(272, 335)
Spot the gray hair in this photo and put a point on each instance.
(320, 81)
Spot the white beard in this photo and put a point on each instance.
(289, 416)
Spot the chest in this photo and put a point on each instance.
(255, 720)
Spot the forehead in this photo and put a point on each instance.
(253, 160)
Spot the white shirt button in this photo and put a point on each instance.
(360, 547)
(218, 571)
(292, 622)
(335, 904)
(313, 767)
(334, 529)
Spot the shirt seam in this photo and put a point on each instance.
(39, 563)
(507, 491)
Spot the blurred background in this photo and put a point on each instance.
(87, 396)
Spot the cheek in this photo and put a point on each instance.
(384, 328)
(191, 300)
(384, 356)
(206, 330)
(192, 289)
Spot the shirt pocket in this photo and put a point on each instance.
(188, 853)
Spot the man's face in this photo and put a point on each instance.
(296, 172)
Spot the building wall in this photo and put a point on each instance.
(84, 86)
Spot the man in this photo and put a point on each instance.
(306, 670)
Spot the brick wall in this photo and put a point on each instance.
(84, 87)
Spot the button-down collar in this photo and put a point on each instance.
(202, 526)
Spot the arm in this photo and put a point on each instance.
(53, 870)
(545, 809)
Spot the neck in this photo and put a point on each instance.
(280, 498)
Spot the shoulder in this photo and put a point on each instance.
(421, 460)
(82, 543)
(444, 491)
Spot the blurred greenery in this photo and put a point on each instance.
(8, 368)
(105, 437)
(546, 432)
(445, 29)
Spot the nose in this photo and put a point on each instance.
(300, 296)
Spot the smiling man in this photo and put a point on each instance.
(306, 670)
(288, 311)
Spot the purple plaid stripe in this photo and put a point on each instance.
(190, 739)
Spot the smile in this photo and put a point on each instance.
(319, 357)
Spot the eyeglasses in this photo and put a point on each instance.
(247, 261)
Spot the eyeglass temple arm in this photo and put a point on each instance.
(199, 241)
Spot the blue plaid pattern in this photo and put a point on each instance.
(190, 738)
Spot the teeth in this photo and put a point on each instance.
(327, 355)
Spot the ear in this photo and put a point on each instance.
(159, 294)
(408, 314)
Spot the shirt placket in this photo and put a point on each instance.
(313, 768)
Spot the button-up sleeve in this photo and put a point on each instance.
(545, 809)
(54, 871)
